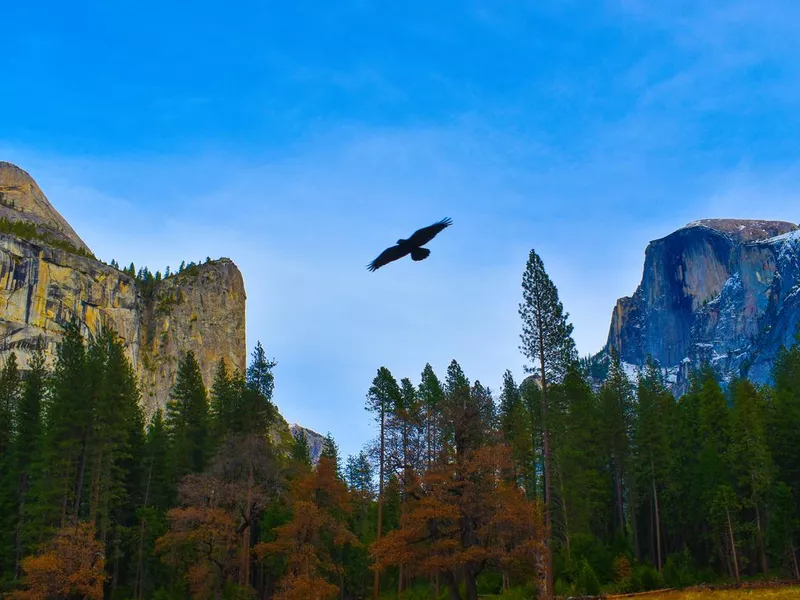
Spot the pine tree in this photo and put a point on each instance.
(64, 456)
(382, 396)
(547, 342)
(655, 413)
(224, 406)
(187, 419)
(158, 496)
(359, 475)
(301, 450)
(431, 396)
(28, 444)
(9, 410)
(330, 450)
(616, 401)
(259, 373)
(751, 458)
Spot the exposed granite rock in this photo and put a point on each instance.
(42, 287)
(724, 291)
(22, 200)
(315, 441)
(201, 309)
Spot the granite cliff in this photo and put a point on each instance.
(722, 291)
(315, 440)
(48, 275)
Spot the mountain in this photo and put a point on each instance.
(48, 275)
(722, 291)
(315, 441)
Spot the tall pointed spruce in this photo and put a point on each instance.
(547, 343)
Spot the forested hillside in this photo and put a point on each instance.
(551, 487)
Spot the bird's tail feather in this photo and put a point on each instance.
(420, 253)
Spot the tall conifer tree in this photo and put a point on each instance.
(546, 342)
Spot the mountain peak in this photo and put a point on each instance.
(21, 199)
(745, 230)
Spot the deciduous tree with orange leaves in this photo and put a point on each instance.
(313, 537)
(463, 518)
(71, 565)
(202, 537)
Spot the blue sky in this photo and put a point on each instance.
(302, 138)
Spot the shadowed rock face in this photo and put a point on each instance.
(201, 309)
(725, 291)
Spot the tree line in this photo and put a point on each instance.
(550, 486)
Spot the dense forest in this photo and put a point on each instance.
(549, 486)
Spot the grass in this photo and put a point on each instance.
(769, 593)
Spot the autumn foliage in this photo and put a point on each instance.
(71, 565)
(320, 505)
(462, 517)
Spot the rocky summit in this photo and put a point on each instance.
(48, 276)
(721, 291)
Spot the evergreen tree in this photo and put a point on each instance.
(223, 407)
(64, 455)
(515, 427)
(301, 450)
(655, 413)
(431, 397)
(616, 402)
(187, 419)
(9, 409)
(259, 373)
(359, 475)
(751, 458)
(330, 450)
(546, 342)
(28, 444)
(383, 395)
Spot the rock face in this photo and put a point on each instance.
(315, 441)
(21, 200)
(201, 309)
(42, 287)
(722, 291)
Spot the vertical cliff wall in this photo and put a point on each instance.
(201, 309)
(43, 286)
(722, 291)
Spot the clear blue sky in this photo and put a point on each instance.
(301, 138)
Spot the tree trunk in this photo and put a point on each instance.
(452, 586)
(733, 546)
(138, 583)
(245, 570)
(618, 486)
(635, 527)
(548, 528)
(471, 585)
(794, 561)
(761, 551)
(377, 581)
(563, 506)
(657, 519)
(79, 478)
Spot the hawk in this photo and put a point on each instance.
(412, 245)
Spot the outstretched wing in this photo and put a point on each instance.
(426, 234)
(387, 256)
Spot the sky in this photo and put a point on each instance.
(300, 139)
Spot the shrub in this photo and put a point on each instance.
(587, 580)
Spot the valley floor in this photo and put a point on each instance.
(775, 593)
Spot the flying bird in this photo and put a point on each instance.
(412, 245)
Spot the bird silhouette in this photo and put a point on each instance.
(412, 245)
